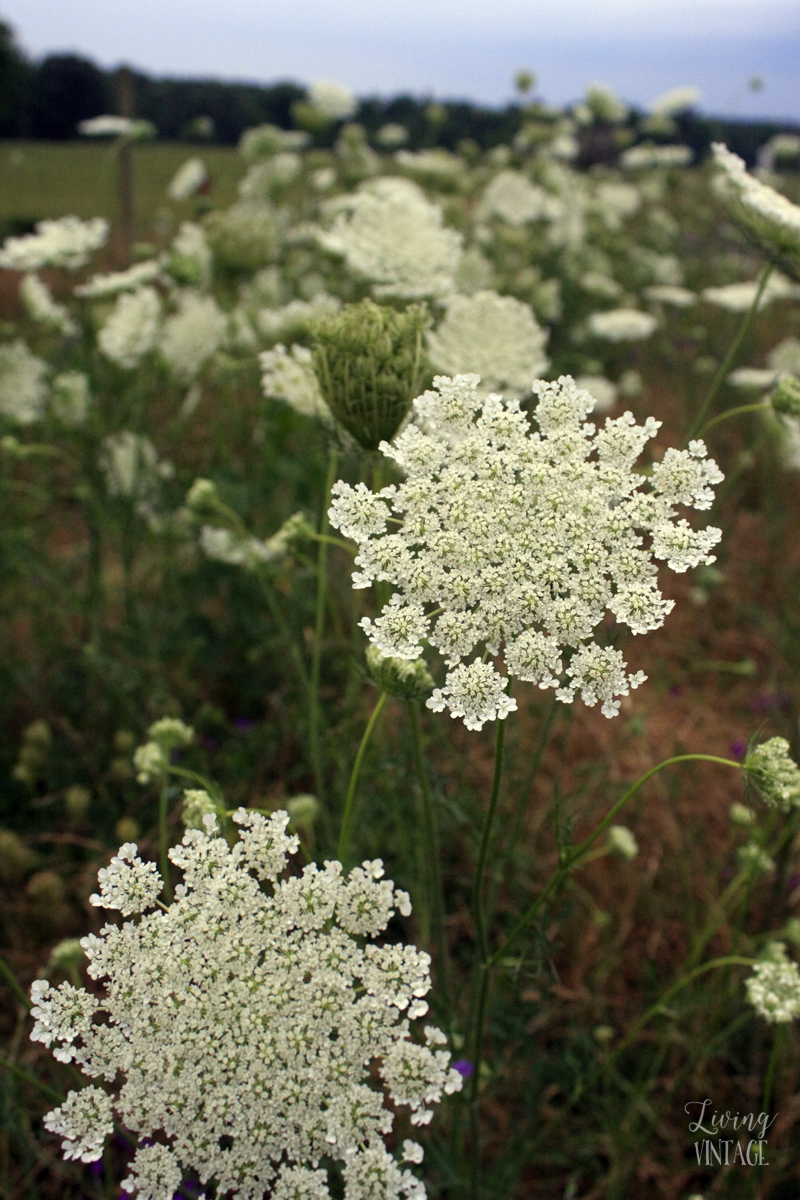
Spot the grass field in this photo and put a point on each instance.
(49, 179)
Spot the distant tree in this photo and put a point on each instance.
(64, 90)
(15, 72)
(173, 104)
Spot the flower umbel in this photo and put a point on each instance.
(523, 539)
(240, 1025)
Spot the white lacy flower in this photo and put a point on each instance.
(188, 179)
(223, 546)
(296, 317)
(192, 335)
(40, 305)
(396, 238)
(496, 337)
(615, 202)
(84, 1120)
(132, 328)
(290, 376)
(676, 100)
(752, 378)
(127, 883)
(106, 125)
(740, 297)
(622, 325)
(332, 99)
(523, 539)
(775, 774)
(512, 197)
(650, 155)
(67, 242)
(602, 391)
(246, 1025)
(769, 218)
(668, 293)
(119, 281)
(130, 465)
(786, 356)
(431, 165)
(22, 383)
(622, 842)
(774, 987)
(189, 258)
(70, 397)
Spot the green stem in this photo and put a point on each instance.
(434, 873)
(351, 791)
(163, 842)
(319, 623)
(13, 983)
(24, 1077)
(769, 1079)
(580, 851)
(734, 412)
(716, 383)
(481, 921)
(334, 541)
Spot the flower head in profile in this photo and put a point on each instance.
(766, 217)
(508, 537)
(774, 774)
(245, 1026)
(774, 986)
(67, 242)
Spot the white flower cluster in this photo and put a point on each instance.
(40, 306)
(395, 237)
(774, 987)
(70, 397)
(775, 774)
(650, 155)
(112, 282)
(332, 99)
(290, 376)
(67, 242)
(622, 325)
(769, 217)
(512, 197)
(739, 297)
(22, 383)
(132, 328)
(129, 462)
(245, 1026)
(188, 179)
(190, 336)
(496, 337)
(523, 539)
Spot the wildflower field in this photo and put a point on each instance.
(400, 656)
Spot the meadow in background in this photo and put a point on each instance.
(178, 405)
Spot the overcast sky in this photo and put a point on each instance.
(447, 48)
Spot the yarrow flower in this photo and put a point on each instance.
(67, 242)
(245, 1025)
(774, 774)
(523, 540)
(774, 987)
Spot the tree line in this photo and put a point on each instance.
(46, 99)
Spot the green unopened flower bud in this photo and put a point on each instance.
(369, 360)
(740, 814)
(752, 857)
(774, 774)
(78, 799)
(196, 805)
(126, 829)
(785, 396)
(294, 530)
(621, 841)
(399, 676)
(170, 732)
(202, 495)
(15, 857)
(67, 955)
(150, 762)
(303, 811)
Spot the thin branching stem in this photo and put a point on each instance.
(315, 716)
(349, 804)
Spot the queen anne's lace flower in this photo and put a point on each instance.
(524, 540)
(775, 774)
(245, 1026)
(774, 987)
(39, 302)
(188, 179)
(290, 375)
(768, 218)
(22, 383)
(512, 197)
(496, 337)
(113, 282)
(192, 335)
(622, 325)
(132, 328)
(397, 239)
(67, 242)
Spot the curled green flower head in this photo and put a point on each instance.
(369, 360)
(409, 679)
(785, 397)
(774, 774)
